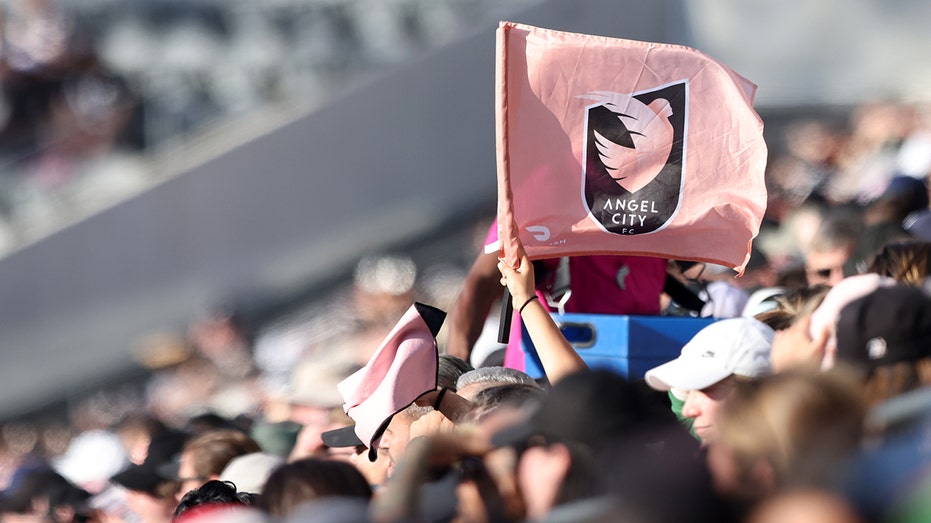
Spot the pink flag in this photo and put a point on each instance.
(610, 146)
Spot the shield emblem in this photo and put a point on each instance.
(634, 155)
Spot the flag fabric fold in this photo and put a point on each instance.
(402, 369)
(612, 146)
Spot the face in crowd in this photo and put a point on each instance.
(702, 407)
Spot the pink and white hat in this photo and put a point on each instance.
(401, 370)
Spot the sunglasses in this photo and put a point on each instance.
(825, 273)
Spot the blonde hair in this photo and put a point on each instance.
(792, 305)
(801, 423)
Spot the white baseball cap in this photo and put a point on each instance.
(735, 346)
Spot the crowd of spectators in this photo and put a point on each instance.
(808, 398)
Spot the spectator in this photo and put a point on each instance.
(887, 334)
(791, 305)
(474, 381)
(494, 399)
(557, 357)
(716, 361)
(38, 493)
(205, 456)
(586, 416)
(315, 402)
(723, 299)
(394, 441)
(812, 339)
(211, 494)
(249, 472)
(427, 411)
(305, 480)
(805, 505)
(832, 246)
(149, 495)
(907, 261)
(136, 431)
(883, 219)
(343, 441)
(794, 429)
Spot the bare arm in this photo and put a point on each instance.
(557, 356)
(467, 317)
(793, 346)
(453, 406)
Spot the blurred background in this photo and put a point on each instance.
(236, 185)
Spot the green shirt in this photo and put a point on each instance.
(676, 405)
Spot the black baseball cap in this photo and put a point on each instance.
(889, 325)
(163, 449)
(342, 437)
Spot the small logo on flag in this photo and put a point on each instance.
(540, 232)
(634, 152)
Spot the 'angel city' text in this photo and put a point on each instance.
(630, 212)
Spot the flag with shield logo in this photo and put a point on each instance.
(612, 146)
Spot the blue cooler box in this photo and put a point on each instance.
(628, 345)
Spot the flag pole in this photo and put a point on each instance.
(502, 163)
(504, 322)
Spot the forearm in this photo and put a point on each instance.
(453, 406)
(466, 318)
(558, 358)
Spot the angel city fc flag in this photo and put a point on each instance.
(611, 146)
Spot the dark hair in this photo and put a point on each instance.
(209, 422)
(213, 492)
(34, 481)
(449, 368)
(293, 484)
(581, 480)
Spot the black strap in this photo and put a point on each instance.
(682, 294)
(504, 321)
